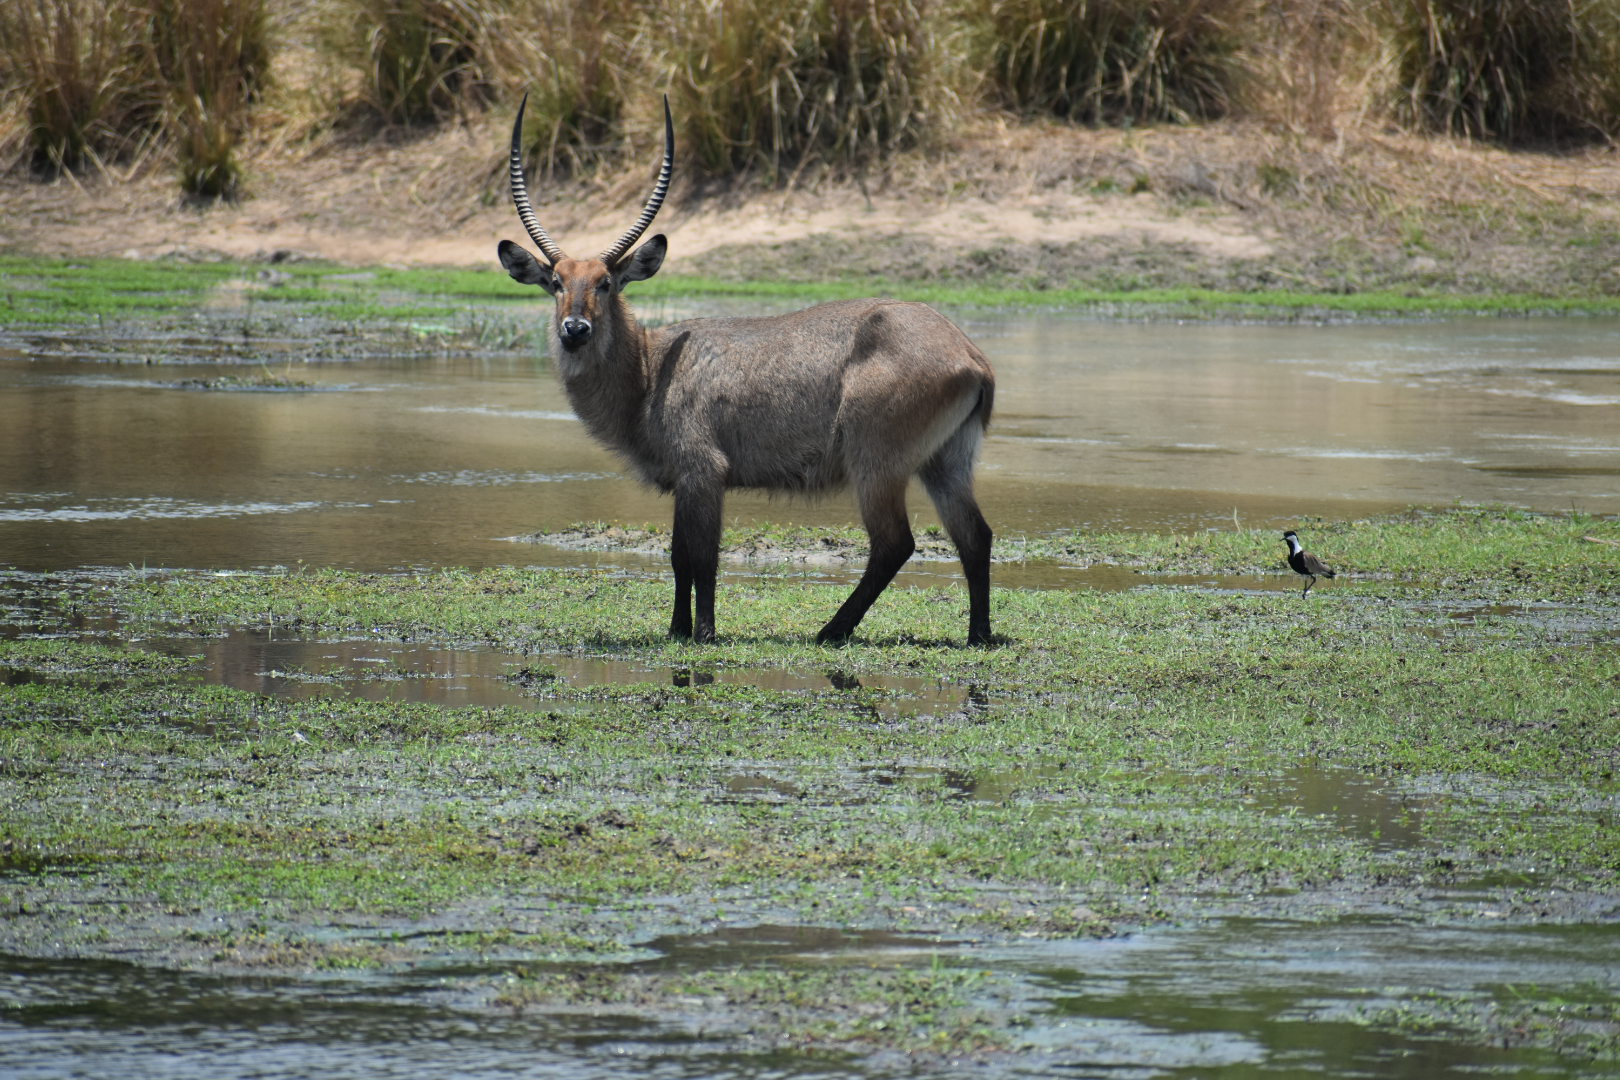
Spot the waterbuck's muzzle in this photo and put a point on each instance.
(574, 331)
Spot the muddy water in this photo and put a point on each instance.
(109, 455)
(1234, 997)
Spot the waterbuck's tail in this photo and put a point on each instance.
(987, 400)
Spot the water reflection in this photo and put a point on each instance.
(371, 669)
(428, 460)
(1277, 997)
(1414, 413)
(1369, 809)
(1225, 997)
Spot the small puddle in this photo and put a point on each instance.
(16, 677)
(1370, 811)
(1361, 807)
(26, 611)
(74, 1018)
(989, 786)
(301, 669)
(1553, 622)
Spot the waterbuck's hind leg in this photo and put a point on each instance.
(948, 478)
(680, 622)
(694, 552)
(883, 511)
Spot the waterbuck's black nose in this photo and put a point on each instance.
(575, 330)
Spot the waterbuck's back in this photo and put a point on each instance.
(810, 400)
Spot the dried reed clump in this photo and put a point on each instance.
(1314, 66)
(1510, 70)
(212, 57)
(775, 86)
(422, 61)
(81, 74)
(1113, 61)
(583, 65)
(108, 82)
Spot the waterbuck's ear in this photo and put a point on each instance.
(644, 263)
(525, 267)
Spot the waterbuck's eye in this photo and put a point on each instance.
(605, 285)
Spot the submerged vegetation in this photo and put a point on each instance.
(1118, 760)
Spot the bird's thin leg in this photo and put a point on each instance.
(1310, 579)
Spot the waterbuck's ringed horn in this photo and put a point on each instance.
(520, 193)
(537, 232)
(613, 254)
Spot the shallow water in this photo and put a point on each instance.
(108, 458)
(1234, 997)
(1243, 996)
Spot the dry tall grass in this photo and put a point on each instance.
(776, 85)
(422, 61)
(212, 57)
(776, 88)
(79, 72)
(1315, 67)
(584, 67)
(106, 83)
(1512, 70)
(1114, 61)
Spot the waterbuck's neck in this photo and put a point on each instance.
(606, 379)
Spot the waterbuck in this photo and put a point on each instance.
(858, 392)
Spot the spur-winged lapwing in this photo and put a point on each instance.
(1304, 563)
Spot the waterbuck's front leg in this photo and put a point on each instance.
(694, 552)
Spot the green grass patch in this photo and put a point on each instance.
(1502, 551)
(60, 291)
(1148, 302)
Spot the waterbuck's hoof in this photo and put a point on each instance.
(829, 636)
(701, 636)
